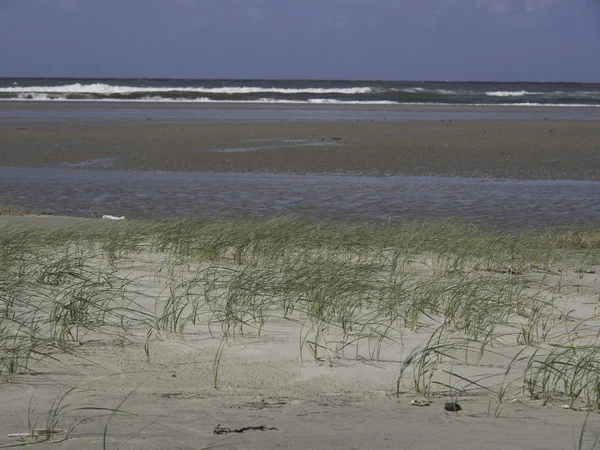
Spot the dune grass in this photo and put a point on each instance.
(358, 289)
(10, 208)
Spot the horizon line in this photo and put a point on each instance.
(297, 79)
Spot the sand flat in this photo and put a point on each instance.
(534, 149)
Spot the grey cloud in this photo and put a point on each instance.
(256, 13)
(593, 6)
(70, 5)
(515, 7)
(502, 7)
(185, 3)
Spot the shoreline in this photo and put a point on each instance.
(136, 112)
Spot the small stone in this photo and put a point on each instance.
(450, 406)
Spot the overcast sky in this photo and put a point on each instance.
(503, 40)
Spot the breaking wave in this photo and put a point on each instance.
(106, 89)
(302, 92)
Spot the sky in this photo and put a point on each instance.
(457, 40)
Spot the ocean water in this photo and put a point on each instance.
(301, 92)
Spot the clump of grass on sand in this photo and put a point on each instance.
(10, 208)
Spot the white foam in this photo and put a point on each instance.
(588, 93)
(411, 90)
(156, 99)
(418, 90)
(350, 102)
(512, 93)
(109, 217)
(106, 89)
(445, 92)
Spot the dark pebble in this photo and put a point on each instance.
(452, 407)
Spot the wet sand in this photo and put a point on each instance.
(534, 149)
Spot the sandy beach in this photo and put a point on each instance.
(485, 148)
(284, 333)
(172, 349)
(258, 225)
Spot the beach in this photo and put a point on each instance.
(296, 334)
(258, 225)
(298, 283)
(565, 149)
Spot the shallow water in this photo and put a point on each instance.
(510, 203)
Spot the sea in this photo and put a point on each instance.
(301, 92)
(80, 190)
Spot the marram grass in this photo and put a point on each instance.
(357, 289)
